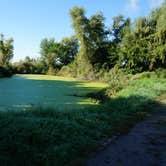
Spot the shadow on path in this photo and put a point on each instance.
(144, 145)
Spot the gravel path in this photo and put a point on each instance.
(144, 145)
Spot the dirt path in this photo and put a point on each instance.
(144, 145)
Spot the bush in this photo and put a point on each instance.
(116, 79)
(160, 73)
(52, 71)
(67, 71)
(143, 75)
(5, 72)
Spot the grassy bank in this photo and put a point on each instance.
(52, 137)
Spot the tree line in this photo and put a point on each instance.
(96, 48)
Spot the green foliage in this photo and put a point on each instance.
(30, 66)
(69, 71)
(43, 136)
(161, 16)
(49, 52)
(159, 73)
(51, 137)
(116, 79)
(6, 54)
(57, 54)
(68, 50)
(96, 48)
(93, 35)
(144, 46)
(119, 28)
(6, 51)
(81, 27)
(5, 72)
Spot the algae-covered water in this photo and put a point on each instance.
(22, 92)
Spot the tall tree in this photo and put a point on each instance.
(144, 47)
(68, 50)
(120, 28)
(49, 52)
(92, 34)
(6, 50)
(81, 27)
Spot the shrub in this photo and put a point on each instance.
(52, 71)
(116, 79)
(5, 72)
(160, 73)
(68, 71)
(143, 75)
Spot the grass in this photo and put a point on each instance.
(53, 137)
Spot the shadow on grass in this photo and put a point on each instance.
(51, 137)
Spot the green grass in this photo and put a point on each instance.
(53, 137)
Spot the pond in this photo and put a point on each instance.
(21, 92)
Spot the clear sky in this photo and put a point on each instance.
(29, 21)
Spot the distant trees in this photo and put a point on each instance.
(30, 66)
(135, 47)
(96, 48)
(56, 54)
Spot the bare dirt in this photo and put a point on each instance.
(144, 145)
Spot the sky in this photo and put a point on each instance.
(29, 21)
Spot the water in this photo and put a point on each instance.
(23, 92)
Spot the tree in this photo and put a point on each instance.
(6, 51)
(98, 37)
(81, 27)
(134, 47)
(68, 50)
(137, 46)
(92, 35)
(49, 52)
(144, 46)
(29, 66)
(120, 28)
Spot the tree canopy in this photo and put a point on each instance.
(6, 50)
(96, 48)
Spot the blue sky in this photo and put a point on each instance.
(29, 21)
